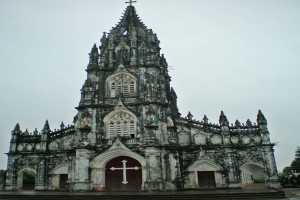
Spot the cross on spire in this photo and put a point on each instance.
(131, 2)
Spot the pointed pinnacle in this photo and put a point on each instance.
(237, 123)
(205, 119)
(261, 120)
(46, 126)
(223, 119)
(248, 123)
(190, 116)
(17, 129)
(62, 125)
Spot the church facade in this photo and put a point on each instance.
(128, 134)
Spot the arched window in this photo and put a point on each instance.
(122, 84)
(122, 124)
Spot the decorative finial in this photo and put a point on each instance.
(223, 119)
(26, 132)
(46, 128)
(205, 119)
(35, 132)
(237, 123)
(249, 123)
(131, 2)
(62, 125)
(190, 116)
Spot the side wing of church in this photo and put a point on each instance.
(128, 134)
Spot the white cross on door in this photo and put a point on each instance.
(124, 170)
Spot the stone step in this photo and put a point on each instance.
(264, 195)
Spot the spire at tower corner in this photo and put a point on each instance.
(94, 58)
(261, 120)
(17, 129)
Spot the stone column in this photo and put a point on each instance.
(41, 176)
(80, 178)
(154, 180)
(98, 179)
(233, 172)
(271, 169)
(11, 178)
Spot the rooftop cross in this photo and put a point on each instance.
(130, 2)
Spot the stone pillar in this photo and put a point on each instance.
(111, 52)
(133, 56)
(98, 179)
(14, 138)
(41, 176)
(45, 136)
(80, 178)
(154, 170)
(230, 157)
(271, 169)
(11, 178)
(233, 172)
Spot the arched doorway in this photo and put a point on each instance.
(60, 175)
(252, 173)
(204, 174)
(26, 179)
(123, 174)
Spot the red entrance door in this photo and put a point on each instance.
(206, 180)
(123, 174)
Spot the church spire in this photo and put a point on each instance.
(130, 18)
(131, 42)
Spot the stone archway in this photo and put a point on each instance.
(26, 179)
(204, 174)
(252, 173)
(59, 177)
(99, 163)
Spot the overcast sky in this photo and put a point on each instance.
(235, 55)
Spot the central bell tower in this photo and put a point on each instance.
(127, 92)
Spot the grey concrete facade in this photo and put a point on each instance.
(128, 108)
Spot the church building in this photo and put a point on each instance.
(128, 134)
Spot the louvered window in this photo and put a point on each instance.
(122, 85)
(122, 124)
